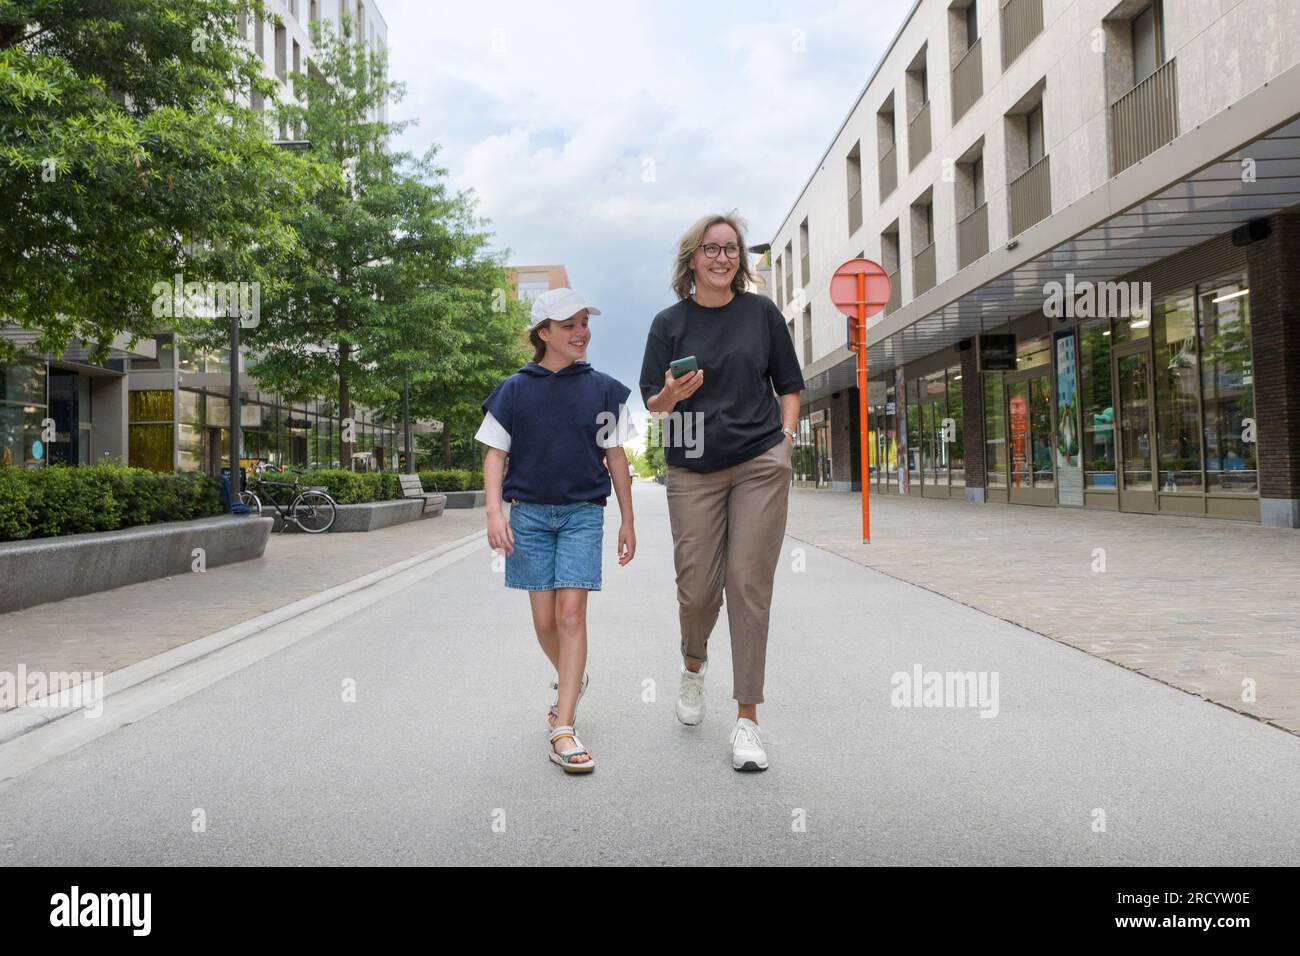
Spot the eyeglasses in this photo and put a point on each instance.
(711, 250)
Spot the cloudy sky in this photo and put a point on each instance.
(593, 135)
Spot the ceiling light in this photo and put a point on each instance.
(1231, 295)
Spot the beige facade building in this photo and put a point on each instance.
(1115, 184)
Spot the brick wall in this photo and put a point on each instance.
(1274, 265)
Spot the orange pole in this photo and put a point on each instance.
(862, 408)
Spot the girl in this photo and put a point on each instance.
(558, 421)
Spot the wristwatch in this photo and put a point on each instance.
(790, 432)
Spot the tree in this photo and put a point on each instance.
(488, 338)
(126, 158)
(371, 296)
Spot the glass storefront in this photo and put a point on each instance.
(995, 431)
(152, 429)
(1227, 388)
(23, 406)
(1096, 406)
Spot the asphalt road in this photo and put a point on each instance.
(441, 758)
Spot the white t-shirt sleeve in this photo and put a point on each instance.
(624, 430)
(492, 434)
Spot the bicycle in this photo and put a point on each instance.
(312, 509)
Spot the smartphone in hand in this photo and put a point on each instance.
(683, 366)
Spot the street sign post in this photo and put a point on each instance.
(860, 288)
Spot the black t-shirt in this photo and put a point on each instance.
(745, 352)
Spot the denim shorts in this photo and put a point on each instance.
(556, 546)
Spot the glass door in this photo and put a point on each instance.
(1137, 488)
(1031, 478)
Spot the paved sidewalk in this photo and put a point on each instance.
(1201, 604)
(113, 629)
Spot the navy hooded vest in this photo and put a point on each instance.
(554, 419)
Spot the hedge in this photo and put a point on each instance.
(451, 479)
(345, 487)
(59, 500)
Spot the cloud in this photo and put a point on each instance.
(593, 136)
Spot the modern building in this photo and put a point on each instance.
(528, 282)
(163, 405)
(1114, 183)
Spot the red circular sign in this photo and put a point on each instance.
(844, 287)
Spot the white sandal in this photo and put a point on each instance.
(566, 758)
(554, 710)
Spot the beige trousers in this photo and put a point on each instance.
(727, 528)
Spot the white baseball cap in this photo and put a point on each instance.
(558, 305)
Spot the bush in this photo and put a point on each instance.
(349, 487)
(451, 479)
(58, 500)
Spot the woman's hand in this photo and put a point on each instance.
(626, 543)
(677, 389)
(500, 537)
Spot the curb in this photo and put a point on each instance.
(44, 711)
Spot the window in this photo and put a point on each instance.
(1178, 425)
(804, 268)
(780, 286)
(1148, 41)
(1034, 128)
(1227, 387)
(789, 270)
(972, 24)
(956, 441)
(977, 180)
(1095, 405)
(853, 178)
(995, 430)
(152, 429)
(807, 335)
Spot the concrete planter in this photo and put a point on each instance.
(466, 499)
(375, 515)
(51, 569)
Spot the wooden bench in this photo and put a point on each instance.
(434, 501)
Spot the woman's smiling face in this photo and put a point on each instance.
(567, 340)
(716, 274)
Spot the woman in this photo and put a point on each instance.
(728, 432)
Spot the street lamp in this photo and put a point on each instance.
(236, 433)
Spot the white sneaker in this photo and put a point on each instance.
(690, 696)
(747, 746)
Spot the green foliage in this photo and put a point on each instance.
(56, 500)
(654, 450)
(126, 160)
(451, 479)
(345, 487)
(389, 260)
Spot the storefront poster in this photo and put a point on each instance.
(1069, 468)
(903, 484)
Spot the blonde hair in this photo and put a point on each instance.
(684, 276)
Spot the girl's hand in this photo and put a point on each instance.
(500, 537)
(626, 544)
(677, 389)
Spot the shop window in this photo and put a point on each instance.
(914, 436)
(1030, 353)
(956, 443)
(1096, 406)
(1228, 390)
(23, 383)
(995, 431)
(1178, 425)
(1040, 394)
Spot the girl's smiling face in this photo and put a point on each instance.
(566, 342)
